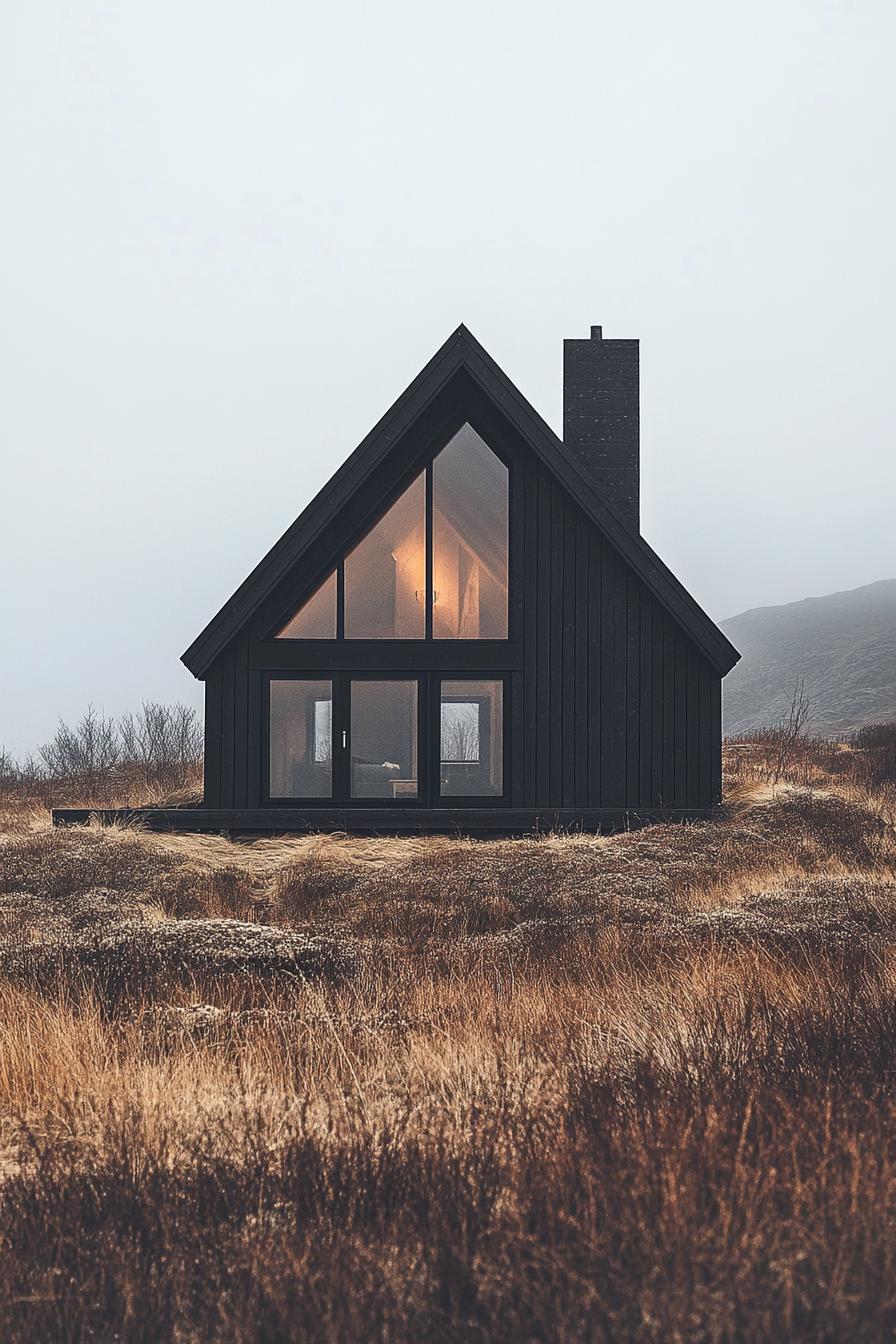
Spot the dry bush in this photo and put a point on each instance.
(866, 762)
(151, 758)
(57, 865)
(310, 887)
(132, 963)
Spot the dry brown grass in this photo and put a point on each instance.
(637, 1087)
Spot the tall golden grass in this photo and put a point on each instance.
(634, 1087)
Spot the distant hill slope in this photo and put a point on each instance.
(843, 644)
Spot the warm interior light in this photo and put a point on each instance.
(419, 594)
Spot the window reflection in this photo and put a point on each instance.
(472, 739)
(469, 540)
(301, 739)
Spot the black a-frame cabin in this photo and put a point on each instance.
(465, 631)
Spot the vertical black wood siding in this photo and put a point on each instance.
(612, 705)
(615, 706)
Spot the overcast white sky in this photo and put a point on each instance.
(230, 234)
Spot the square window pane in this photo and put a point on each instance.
(384, 739)
(471, 753)
(301, 739)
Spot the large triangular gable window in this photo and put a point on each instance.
(407, 580)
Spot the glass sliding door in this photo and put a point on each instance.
(384, 739)
(300, 739)
(471, 739)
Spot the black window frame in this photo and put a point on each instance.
(340, 776)
(305, 800)
(422, 465)
(429, 683)
(470, 799)
(345, 724)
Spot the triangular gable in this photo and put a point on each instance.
(461, 352)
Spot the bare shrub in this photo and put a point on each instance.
(164, 742)
(88, 752)
(9, 770)
(142, 758)
(784, 746)
(865, 761)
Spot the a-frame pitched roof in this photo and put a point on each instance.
(461, 352)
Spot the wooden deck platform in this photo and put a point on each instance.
(378, 820)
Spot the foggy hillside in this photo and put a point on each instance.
(844, 645)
